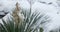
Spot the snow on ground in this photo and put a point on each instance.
(9, 5)
(47, 1)
(58, 2)
(50, 10)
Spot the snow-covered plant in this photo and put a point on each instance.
(32, 22)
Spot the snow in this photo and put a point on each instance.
(44, 8)
(48, 1)
(54, 24)
(51, 10)
(1, 13)
(9, 5)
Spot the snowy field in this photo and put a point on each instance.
(49, 7)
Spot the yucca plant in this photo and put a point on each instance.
(32, 22)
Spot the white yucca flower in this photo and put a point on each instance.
(17, 15)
